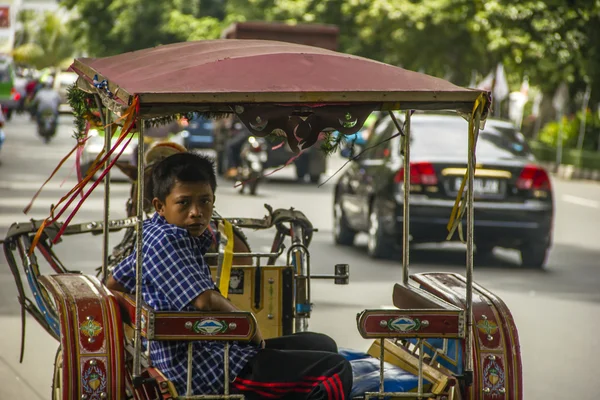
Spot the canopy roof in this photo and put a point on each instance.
(215, 74)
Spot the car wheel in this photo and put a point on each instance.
(534, 255)
(378, 244)
(342, 233)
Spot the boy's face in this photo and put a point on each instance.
(189, 205)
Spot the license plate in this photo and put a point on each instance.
(481, 186)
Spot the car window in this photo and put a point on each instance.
(449, 137)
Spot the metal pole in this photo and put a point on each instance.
(105, 230)
(584, 106)
(137, 366)
(559, 149)
(190, 357)
(406, 205)
(226, 366)
(470, 233)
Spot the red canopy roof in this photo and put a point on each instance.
(249, 71)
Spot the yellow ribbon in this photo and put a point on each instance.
(460, 204)
(227, 258)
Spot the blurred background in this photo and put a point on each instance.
(540, 59)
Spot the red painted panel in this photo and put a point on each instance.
(409, 324)
(494, 332)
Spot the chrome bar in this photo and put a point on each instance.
(406, 205)
(139, 259)
(322, 276)
(470, 233)
(261, 255)
(189, 369)
(420, 380)
(381, 365)
(226, 364)
(105, 225)
(299, 251)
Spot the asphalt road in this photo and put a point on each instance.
(557, 310)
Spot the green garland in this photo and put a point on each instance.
(84, 109)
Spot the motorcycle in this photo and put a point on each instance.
(253, 158)
(47, 124)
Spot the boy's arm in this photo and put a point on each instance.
(211, 300)
(112, 284)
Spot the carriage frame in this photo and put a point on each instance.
(428, 307)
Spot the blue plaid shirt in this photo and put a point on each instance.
(174, 274)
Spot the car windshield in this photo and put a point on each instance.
(449, 136)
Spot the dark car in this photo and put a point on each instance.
(513, 194)
(198, 134)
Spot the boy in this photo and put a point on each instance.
(176, 278)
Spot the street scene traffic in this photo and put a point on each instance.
(432, 205)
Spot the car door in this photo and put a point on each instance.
(373, 170)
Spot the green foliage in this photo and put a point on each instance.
(43, 41)
(84, 109)
(570, 132)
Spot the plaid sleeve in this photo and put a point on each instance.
(124, 273)
(175, 271)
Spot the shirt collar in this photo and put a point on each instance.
(204, 241)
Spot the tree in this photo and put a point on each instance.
(116, 26)
(44, 41)
(550, 41)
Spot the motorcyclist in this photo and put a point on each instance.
(239, 135)
(46, 100)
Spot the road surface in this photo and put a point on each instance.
(557, 310)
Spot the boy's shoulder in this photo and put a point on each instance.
(157, 227)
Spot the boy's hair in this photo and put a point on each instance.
(182, 167)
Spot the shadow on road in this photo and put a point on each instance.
(572, 272)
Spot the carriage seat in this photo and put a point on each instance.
(365, 370)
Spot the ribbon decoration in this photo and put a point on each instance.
(460, 204)
(226, 229)
(102, 86)
(130, 117)
(77, 147)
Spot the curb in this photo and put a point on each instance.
(570, 172)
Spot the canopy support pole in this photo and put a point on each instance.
(137, 366)
(406, 205)
(106, 121)
(470, 232)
